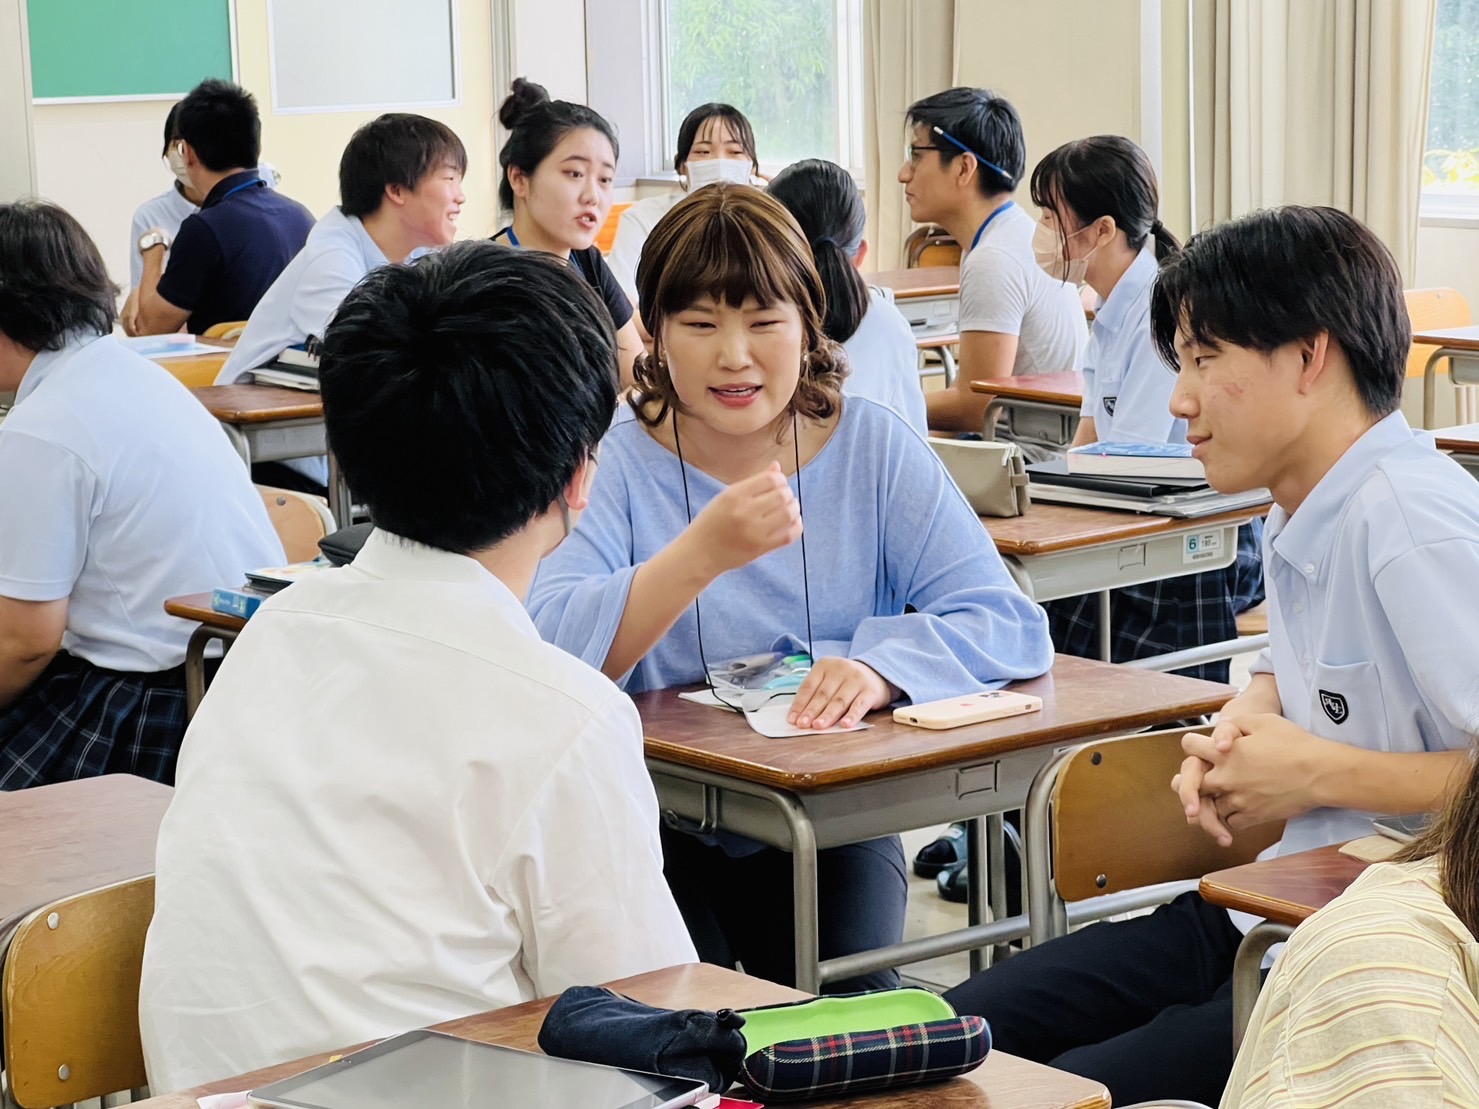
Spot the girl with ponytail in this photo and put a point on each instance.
(879, 344)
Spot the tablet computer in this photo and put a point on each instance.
(425, 1068)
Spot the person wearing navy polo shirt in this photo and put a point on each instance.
(227, 254)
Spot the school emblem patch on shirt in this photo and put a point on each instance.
(1334, 706)
(1109, 404)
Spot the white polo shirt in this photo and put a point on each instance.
(632, 229)
(884, 362)
(433, 814)
(166, 211)
(1127, 388)
(1373, 610)
(118, 491)
(1003, 289)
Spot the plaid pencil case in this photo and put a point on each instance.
(851, 1043)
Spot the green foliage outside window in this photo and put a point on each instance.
(1451, 160)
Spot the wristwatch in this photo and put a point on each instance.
(153, 238)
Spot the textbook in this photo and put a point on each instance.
(294, 368)
(273, 578)
(1165, 460)
(237, 602)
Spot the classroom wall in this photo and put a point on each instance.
(100, 161)
(1449, 256)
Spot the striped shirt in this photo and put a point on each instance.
(1373, 1003)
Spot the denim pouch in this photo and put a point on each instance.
(595, 1025)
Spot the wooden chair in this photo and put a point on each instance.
(229, 329)
(1102, 824)
(71, 997)
(1428, 309)
(930, 246)
(300, 520)
(606, 237)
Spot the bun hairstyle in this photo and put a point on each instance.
(1104, 175)
(732, 243)
(827, 205)
(536, 124)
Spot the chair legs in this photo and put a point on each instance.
(1246, 973)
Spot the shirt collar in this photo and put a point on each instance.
(391, 557)
(373, 254)
(1303, 539)
(46, 361)
(226, 184)
(1128, 291)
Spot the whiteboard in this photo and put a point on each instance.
(362, 55)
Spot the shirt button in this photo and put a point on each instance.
(1298, 606)
(1309, 567)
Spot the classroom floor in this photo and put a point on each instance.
(929, 913)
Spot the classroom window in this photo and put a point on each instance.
(1450, 176)
(794, 67)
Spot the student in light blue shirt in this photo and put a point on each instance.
(692, 550)
(1291, 334)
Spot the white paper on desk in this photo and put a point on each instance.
(769, 721)
(223, 1101)
(175, 345)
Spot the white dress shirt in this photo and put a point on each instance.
(396, 806)
(118, 490)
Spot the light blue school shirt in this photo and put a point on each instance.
(166, 211)
(1127, 387)
(1373, 586)
(118, 490)
(883, 362)
(885, 528)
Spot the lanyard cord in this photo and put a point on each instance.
(805, 585)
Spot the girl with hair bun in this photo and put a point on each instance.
(558, 169)
(883, 362)
(695, 550)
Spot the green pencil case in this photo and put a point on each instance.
(850, 1043)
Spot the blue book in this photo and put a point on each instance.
(236, 602)
(1161, 460)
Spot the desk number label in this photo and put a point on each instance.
(1202, 547)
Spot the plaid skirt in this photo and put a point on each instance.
(78, 720)
(1170, 615)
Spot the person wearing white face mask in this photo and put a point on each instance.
(715, 143)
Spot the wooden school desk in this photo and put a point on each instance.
(269, 424)
(197, 370)
(712, 772)
(71, 837)
(929, 297)
(1001, 1082)
(1461, 344)
(1060, 394)
(1284, 891)
(1462, 443)
(211, 627)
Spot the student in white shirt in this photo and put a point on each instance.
(966, 157)
(1292, 337)
(715, 143)
(882, 360)
(397, 805)
(117, 492)
(166, 211)
(400, 191)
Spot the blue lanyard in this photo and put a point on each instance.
(982, 229)
(513, 240)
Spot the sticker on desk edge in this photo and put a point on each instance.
(1201, 546)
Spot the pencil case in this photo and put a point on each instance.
(852, 1043)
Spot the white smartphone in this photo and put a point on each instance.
(956, 712)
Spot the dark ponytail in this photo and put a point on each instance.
(1105, 175)
(824, 200)
(536, 124)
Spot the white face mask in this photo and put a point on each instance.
(175, 156)
(1048, 247)
(712, 170)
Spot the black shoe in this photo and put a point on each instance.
(954, 882)
(946, 851)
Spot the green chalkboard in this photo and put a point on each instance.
(97, 49)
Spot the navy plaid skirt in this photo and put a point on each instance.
(78, 720)
(1170, 615)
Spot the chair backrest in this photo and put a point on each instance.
(300, 520)
(228, 329)
(607, 235)
(1430, 308)
(1117, 826)
(70, 1006)
(930, 246)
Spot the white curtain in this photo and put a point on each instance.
(1314, 102)
(909, 53)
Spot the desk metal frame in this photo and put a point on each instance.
(281, 440)
(1462, 370)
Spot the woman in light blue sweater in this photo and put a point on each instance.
(692, 550)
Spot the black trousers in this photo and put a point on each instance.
(739, 910)
(1143, 1006)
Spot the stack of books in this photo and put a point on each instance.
(1161, 478)
(294, 368)
(261, 584)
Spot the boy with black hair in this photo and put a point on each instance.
(227, 254)
(966, 157)
(117, 492)
(447, 814)
(400, 191)
(1291, 335)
